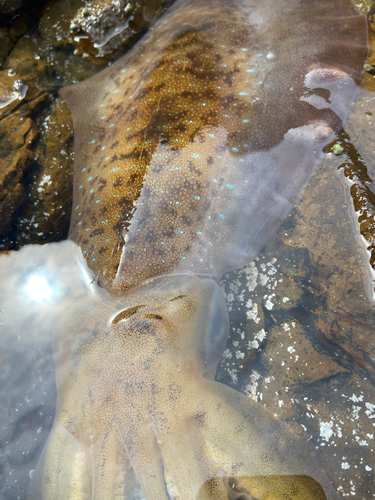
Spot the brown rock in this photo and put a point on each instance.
(9, 6)
(45, 216)
(101, 28)
(6, 44)
(15, 158)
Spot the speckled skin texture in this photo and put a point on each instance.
(148, 405)
(189, 152)
(167, 137)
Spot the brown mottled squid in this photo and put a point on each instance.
(189, 152)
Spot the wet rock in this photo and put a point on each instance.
(17, 135)
(11, 92)
(54, 25)
(30, 9)
(105, 27)
(10, 6)
(364, 6)
(106, 24)
(310, 344)
(6, 44)
(341, 269)
(26, 93)
(23, 81)
(18, 132)
(46, 214)
(100, 28)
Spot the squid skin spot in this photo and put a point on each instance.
(96, 232)
(127, 313)
(153, 316)
(177, 298)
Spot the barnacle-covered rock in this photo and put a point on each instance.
(100, 28)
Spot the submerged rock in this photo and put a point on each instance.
(302, 323)
(9, 6)
(46, 213)
(100, 28)
(302, 314)
(18, 132)
(6, 44)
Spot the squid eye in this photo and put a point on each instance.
(125, 314)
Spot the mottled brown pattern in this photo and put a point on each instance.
(152, 397)
(170, 108)
(150, 130)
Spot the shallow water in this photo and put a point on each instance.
(289, 348)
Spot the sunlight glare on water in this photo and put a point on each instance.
(38, 288)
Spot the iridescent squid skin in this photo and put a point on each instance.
(189, 152)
